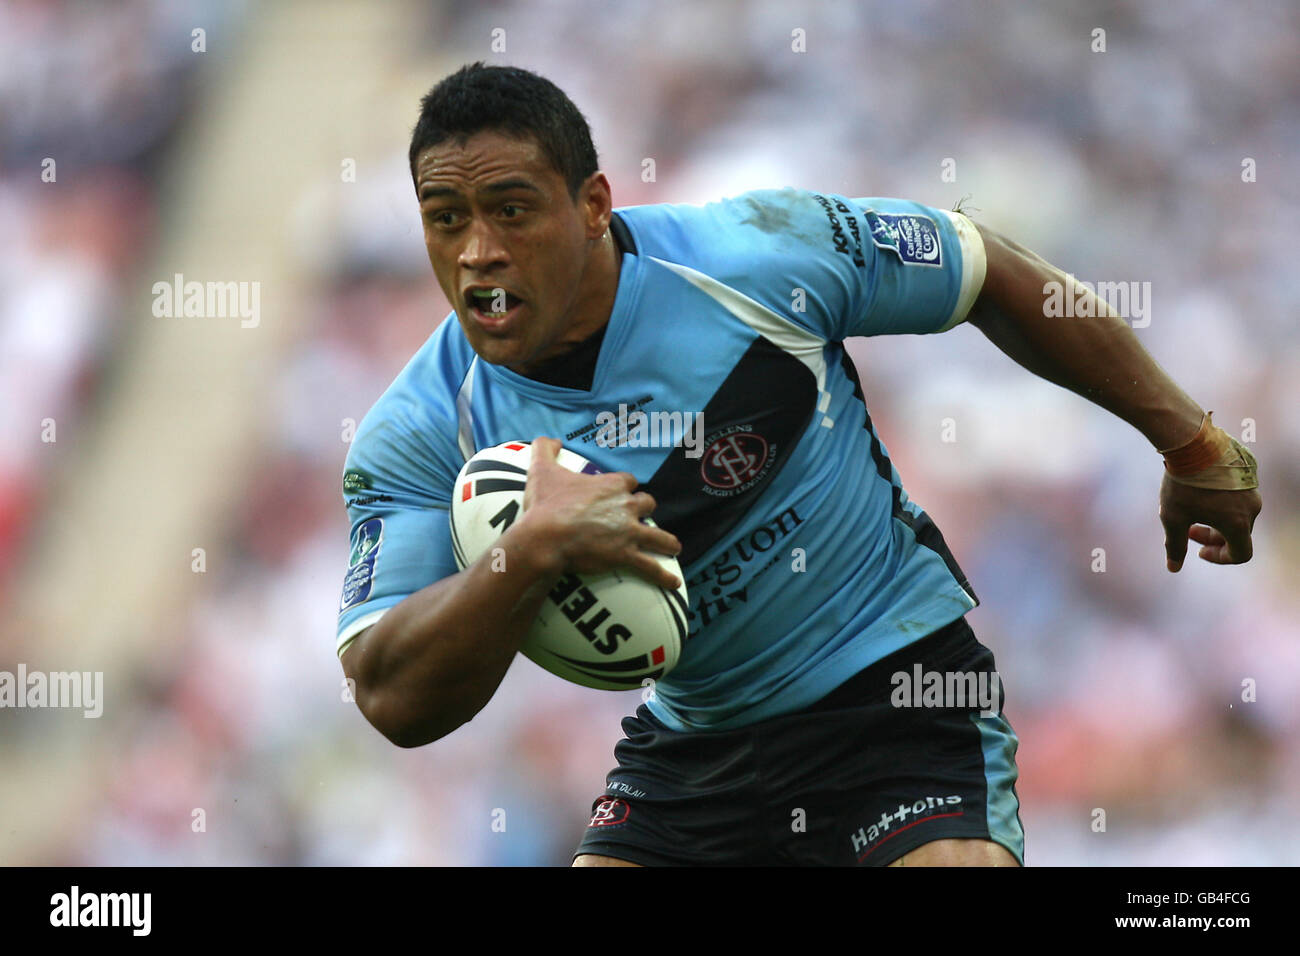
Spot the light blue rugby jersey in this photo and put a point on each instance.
(737, 310)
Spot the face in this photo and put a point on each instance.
(519, 260)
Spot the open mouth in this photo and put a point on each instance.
(492, 305)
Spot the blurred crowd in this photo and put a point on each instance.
(91, 95)
(1125, 684)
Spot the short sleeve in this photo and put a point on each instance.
(927, 268)
(835, 266)
(397, 493)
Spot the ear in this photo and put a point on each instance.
(597, 205)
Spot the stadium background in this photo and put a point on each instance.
(222, 690)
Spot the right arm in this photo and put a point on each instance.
(436, 658)
(433, 661)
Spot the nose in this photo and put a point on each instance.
(483, 248)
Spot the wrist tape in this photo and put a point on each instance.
(1212, 459)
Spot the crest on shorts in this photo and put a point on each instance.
(609, 812)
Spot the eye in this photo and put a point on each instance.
(511, 211)
(443, 218)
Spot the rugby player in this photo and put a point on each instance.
(813, 577)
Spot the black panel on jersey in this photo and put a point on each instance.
(770, 394)
(576, 368)
(926, 531)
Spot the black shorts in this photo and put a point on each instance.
(863, 776)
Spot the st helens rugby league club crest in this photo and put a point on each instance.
(734, 460)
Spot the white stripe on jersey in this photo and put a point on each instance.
(776, 328)
(464, 417)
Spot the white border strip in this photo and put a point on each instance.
(974, 264)
(357, 626)
(780, 331)
(464, 415)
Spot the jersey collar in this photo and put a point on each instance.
(625, 298)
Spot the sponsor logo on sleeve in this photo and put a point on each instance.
(914, 239)
(360, 579)
(355, 480)
(839, 236)
(367, 500)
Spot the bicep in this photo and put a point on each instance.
(1005, 263)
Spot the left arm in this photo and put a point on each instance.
(1102, 360)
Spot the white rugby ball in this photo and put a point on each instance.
(611, 631)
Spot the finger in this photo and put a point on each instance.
(1203, 534)
(643, 504)
(1175, 542)
(1238, 550)
(660, 541)
(1217, 554)
(654, 572)
(545, 449)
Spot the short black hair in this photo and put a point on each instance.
(512, 101)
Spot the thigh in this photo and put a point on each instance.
(958, 853)
(594, 859)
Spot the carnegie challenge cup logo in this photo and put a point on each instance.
(735, 460)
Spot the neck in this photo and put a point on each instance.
(598, 291)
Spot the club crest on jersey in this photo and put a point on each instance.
(609, 812)
(734, 460)
(914, 239)
(359, 580)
